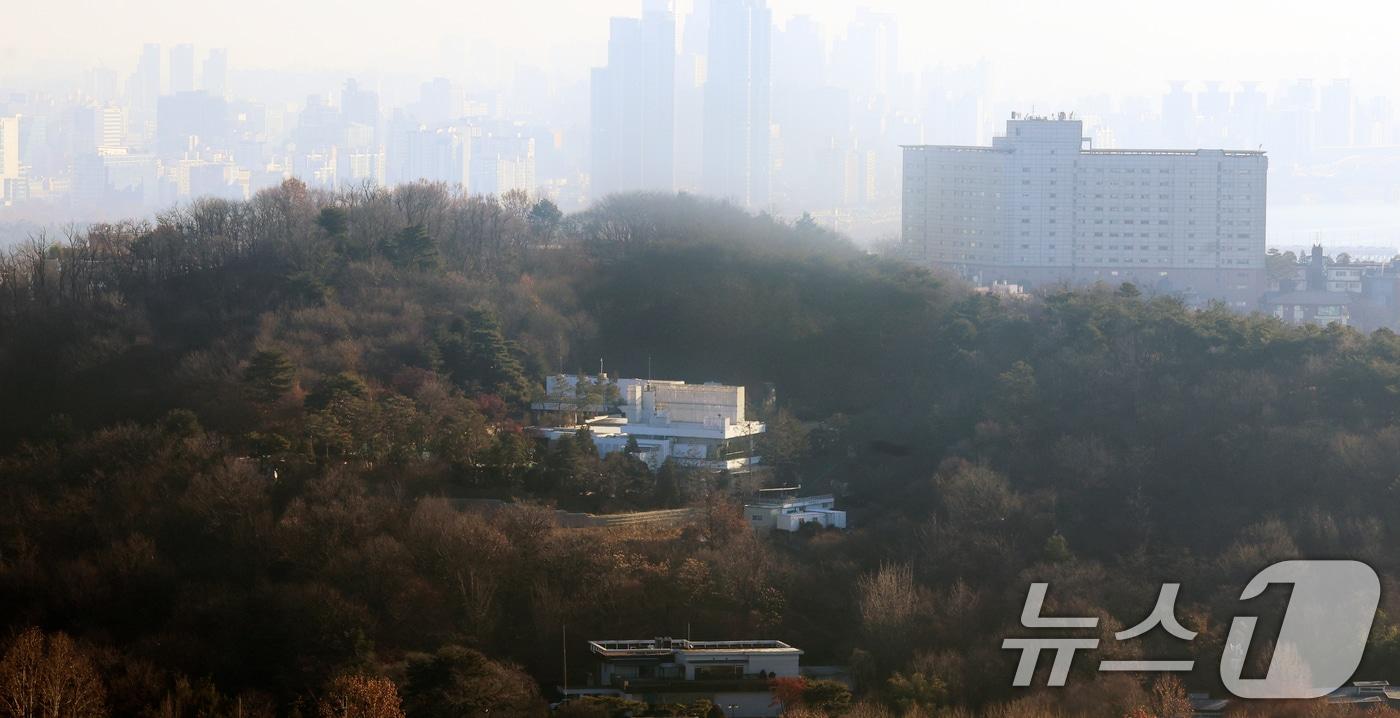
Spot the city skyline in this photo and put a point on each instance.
(778, 110)
(1245, 40)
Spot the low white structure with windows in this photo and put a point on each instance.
(791, 514)
(734, 675)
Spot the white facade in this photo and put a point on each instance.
(662, 403)
(698, 425)
(732, 674)
(1348, 277)
(1039, 207)
(791, 514)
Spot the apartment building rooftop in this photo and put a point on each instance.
(1065, 127)
(1094, 151)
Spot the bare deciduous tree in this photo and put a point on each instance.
(49, 676)
(355, 696)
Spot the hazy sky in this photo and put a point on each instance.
(1038, 47)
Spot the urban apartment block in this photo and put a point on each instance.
(1042, 206)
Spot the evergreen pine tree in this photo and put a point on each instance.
(268, 376)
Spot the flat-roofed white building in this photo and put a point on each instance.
(698, 425)
(1039, 206)
(793, 512)
(732, 674)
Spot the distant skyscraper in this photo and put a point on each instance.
(440, 101)
(696, 39)
(1214, 102)
(867, 61)
(182, 68)
(799, 55)
(117, 180)
(144, 89)
(364, 158)
(737, 144)
(216, 73)
(690, 97)
(432, 155)
(813, 115)
(1179, 115)
(360, 107)
(190, 117)
(1336, 115)
(633, 105)
(1247, 110)
(98, 128)
(9, 155)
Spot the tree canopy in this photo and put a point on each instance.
(242, 444)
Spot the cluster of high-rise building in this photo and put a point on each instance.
(735, 107)
(718, 100)
(173, 133)
(719, 97)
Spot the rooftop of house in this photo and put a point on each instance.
(671, 646)
(780, 502)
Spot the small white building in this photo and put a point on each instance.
(790, 514)
(698, 425)
(731, 674)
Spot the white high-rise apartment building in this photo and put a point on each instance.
(1039, 206)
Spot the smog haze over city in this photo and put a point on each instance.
(699, 358)
(849, 82)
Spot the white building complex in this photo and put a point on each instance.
(733, 675)
(1040, 206)
(697, 425)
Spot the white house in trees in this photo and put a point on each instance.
(733, 675)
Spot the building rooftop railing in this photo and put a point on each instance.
(781, 501)
(1227, 153)
(957, 148)
(667, 646)
(1163, 152)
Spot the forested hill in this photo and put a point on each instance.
(229, 437)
